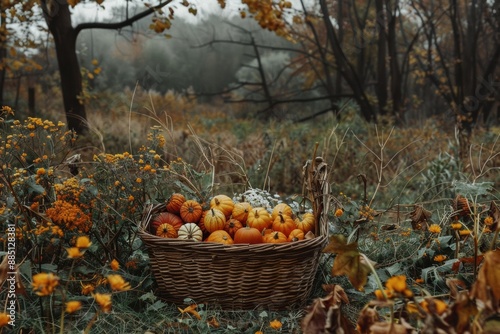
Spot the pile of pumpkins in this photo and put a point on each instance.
(228, 222)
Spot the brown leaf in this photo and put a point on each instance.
(367, 317)
(461, 312)
(419, 218)
(494, 212)
(353, 265)
(486, 287)
(212, 322)
(338, 244)
(324, 314)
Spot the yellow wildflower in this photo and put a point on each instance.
(4, 319)
(83, 242)
(396, 283)
(440, 258)
(439, 306)
(73, 306)
(488, 220)
(40, 171)
(104, 301)
(114, 265)
(275, 324)
(74, 253)
(464, 232)
(339, 212)
(435, 228)
(117, 283)
(138, 180)
(456, 226)
(44, 284)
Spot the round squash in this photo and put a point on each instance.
(214, 220)
(307, 222)
(296, 235)
(191, 211)
(223, 203)
(247, 235)
(232, 225)
(190, 231)
(275, 237)
(166, 231)
(259, 218)
(221, 237)
(282, 208)
(284, 224)
(240, 211)
(175, 202)
(166, 218)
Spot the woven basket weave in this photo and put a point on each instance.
(239, 276)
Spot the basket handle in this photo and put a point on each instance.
(318, 188)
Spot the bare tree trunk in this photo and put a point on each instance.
(396, 78)
(346, 68)
(382, 86)
(58, 18)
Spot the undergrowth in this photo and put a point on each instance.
(402, 206)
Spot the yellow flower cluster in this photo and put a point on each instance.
(435, 228)
(366, 212)
(394, 287)
(44, 284)
(69, 216)
(104, 301)
(117, 283)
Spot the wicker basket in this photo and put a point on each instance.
(239, 276)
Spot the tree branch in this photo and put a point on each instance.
(119, 25)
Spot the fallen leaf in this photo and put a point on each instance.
(387, 328)
(191, 309)
(486, 287)
(367, 317)
(324, 314)
(461, 313)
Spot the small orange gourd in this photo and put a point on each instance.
(221, 237)
(214, 220)
(232, 225)
(275, 237)
(240, 211)
(307, 222)
(191, 211)
(259, 218)
(166, 231)
(166, 218)
(281, 208)
(296, 235)
(247, 235)
(175, 202)
(284, 224)
(223, 203)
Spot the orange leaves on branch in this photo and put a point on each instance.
(324, 314)
(268, 14)
(348, 261)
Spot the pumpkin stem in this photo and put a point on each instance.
(213, 212)
(281, 217)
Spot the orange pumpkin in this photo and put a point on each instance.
(275, 237)
(223, 203)
(220, 236)
(166, 218)
(296, 235)
(284, 224)
(259, 218)
(282, 208)
(240, 211)
(166, 231)
(191, 211)
(307, 222)
(175, 202)
(214, 220)
(247, 235)
(232, 225)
